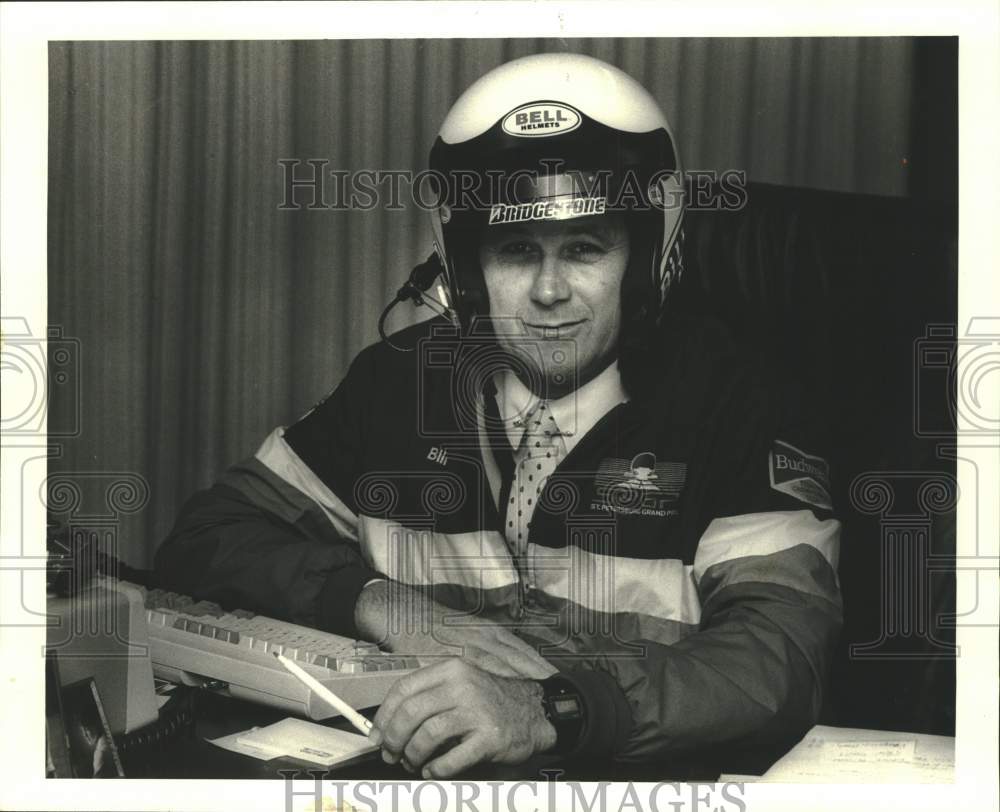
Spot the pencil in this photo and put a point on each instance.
(328, 696)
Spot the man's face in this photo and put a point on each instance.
(562, 280)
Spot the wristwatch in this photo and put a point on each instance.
(565, 711)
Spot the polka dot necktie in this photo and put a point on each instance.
(537, 456)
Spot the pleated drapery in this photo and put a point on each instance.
(206, 314)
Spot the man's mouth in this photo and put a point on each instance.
(560, 330)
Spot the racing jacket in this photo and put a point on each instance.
(692, 600)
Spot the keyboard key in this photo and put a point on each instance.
(154, 617)
(350, 666)
(186, 625)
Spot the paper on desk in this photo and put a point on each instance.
(840, 755)
(299, 739)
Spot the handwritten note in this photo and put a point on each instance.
(841, 755)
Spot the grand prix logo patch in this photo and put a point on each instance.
(800, 475)
(640, 486)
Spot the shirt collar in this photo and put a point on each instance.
(575, 414)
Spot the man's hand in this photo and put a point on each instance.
(405, 621)
(451, 715)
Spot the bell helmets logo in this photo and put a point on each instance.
(801, 475)
(540, 119)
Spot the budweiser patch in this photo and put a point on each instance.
(800, 475)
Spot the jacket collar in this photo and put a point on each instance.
(575, 414)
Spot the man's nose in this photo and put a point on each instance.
(550, 286)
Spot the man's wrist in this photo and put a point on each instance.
(608, 723)
(544, 733)
(565, 711)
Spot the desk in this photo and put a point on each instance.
(217, 714)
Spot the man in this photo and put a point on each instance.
(583, 509)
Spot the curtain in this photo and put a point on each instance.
(206, 314)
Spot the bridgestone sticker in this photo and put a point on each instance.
(800, 475)
(550, 210)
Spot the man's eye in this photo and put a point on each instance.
(517, 249)
(584, 250)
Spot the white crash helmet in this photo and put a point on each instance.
(556, 136)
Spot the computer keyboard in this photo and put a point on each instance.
(197, 642)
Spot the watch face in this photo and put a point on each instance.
(565, 711)
(566, 705)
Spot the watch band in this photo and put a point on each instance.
(565, 711)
